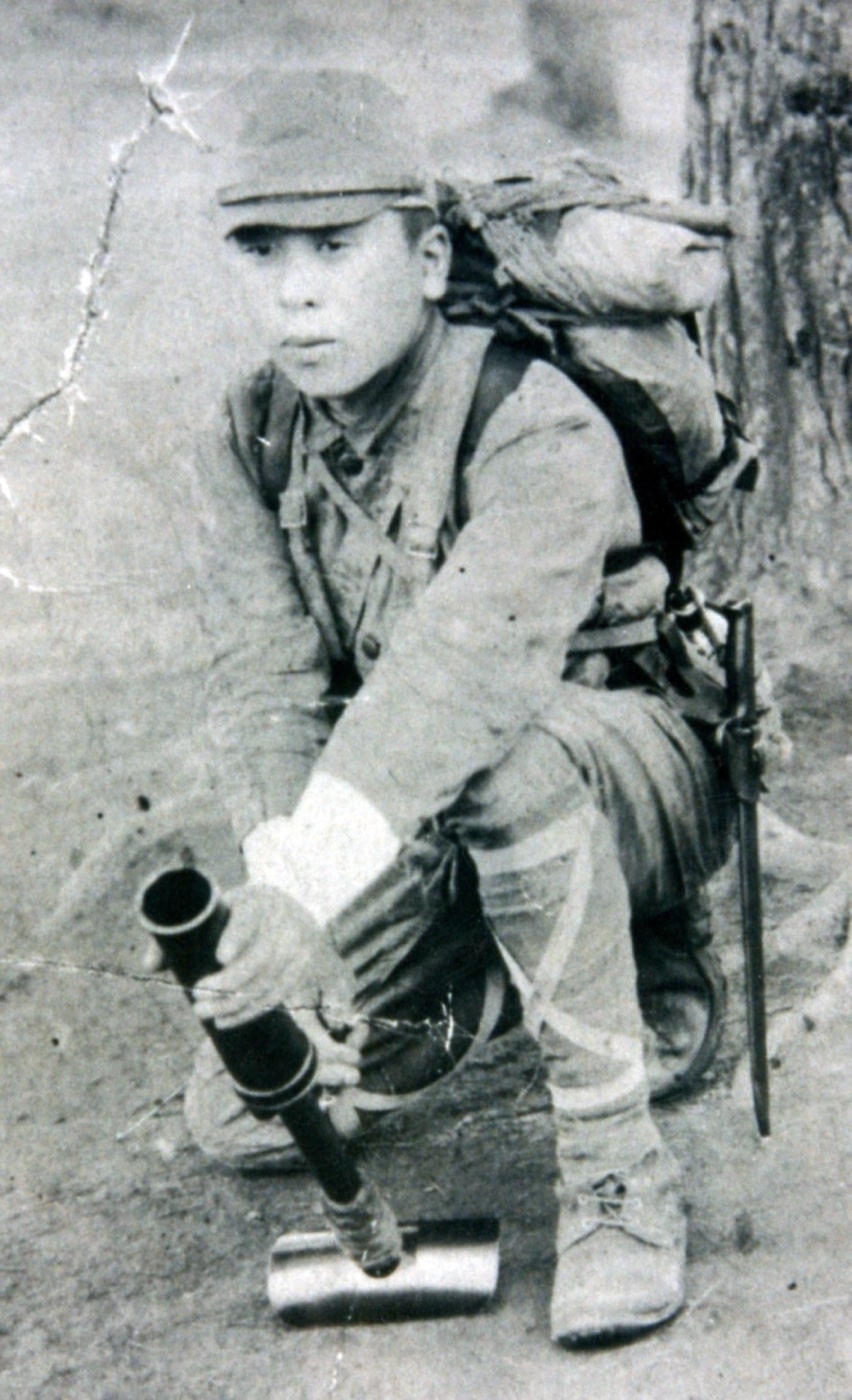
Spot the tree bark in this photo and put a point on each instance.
(771, 135)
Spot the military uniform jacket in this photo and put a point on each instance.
(453, 591)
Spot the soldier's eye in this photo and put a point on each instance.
(255, 242)
(332, 244)
(261, 246)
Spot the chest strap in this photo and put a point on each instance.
(425, 468)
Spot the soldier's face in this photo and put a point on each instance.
(338, 306)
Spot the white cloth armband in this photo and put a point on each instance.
(335, 844)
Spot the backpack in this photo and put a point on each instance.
(581, 270)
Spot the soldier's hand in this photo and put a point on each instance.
(273, 952)
(338, 1060)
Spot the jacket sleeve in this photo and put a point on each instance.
(269, 669)
(546, 496)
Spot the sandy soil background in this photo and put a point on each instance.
(130, 1266)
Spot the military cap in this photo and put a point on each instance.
(318, 149)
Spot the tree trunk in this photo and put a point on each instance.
(771, 135)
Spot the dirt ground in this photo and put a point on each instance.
(130, 1266)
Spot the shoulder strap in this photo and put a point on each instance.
(503, 368)
(275, 441)
(431, 464)
(262, 414)
(264, 417)
(426, 465)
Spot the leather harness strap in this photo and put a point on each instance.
(478, 375)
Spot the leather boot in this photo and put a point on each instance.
(682, 994)
(621, 1239)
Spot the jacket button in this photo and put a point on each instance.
(371, 646)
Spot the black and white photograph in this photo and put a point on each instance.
(425, 745)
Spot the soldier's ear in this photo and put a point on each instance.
(436, 252)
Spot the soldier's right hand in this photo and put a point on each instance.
(274, 953)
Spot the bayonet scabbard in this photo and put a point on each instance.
(744, 773)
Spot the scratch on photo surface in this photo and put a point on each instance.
(153, 979)
(335, 1372)
(160, 106)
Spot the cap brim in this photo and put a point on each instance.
(303, 212)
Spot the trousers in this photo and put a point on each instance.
(607, 808)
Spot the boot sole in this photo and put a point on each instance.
(593, 1333)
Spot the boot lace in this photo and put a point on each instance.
(609, 1204)
(606, 1204)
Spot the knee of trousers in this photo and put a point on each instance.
(533, 785)
(219, 1122)
(559, 907)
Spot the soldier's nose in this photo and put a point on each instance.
(298, 281)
